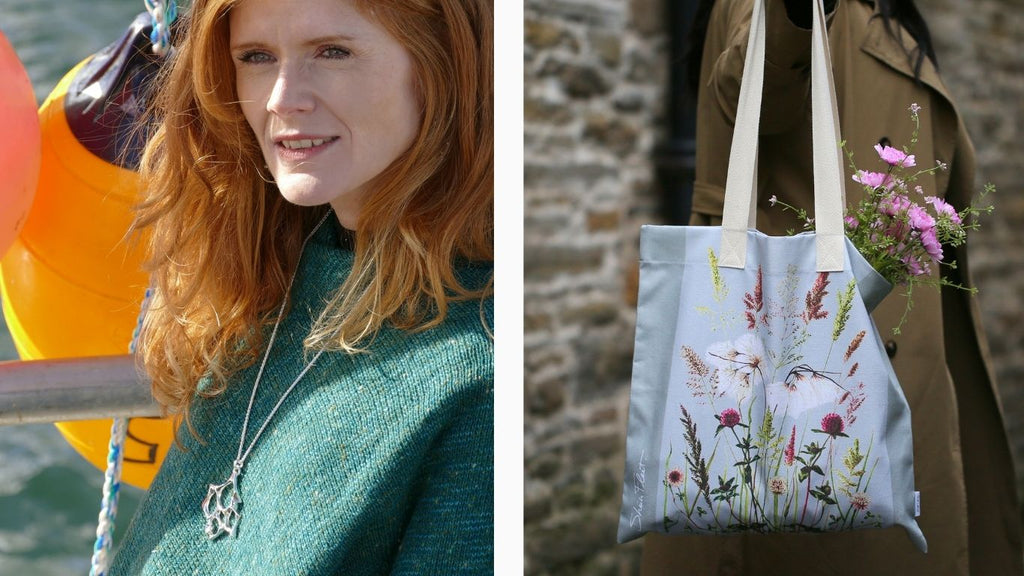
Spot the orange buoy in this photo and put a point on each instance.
(72, 282)
(19, 147)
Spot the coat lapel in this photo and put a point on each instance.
(878, 44)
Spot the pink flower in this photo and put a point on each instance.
(941, 207)
(851, 222)
(675, 477)
(777, 485)
(931, 244)
(873, 179)
(899, 231)
(729, 418)
(920, 219)
(895, 157)
(860, 500)
(893, 205)
(790, 452)
(914, 265)
(832, 424)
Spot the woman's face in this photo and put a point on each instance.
(329, 94)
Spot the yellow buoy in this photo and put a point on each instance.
(72, 282)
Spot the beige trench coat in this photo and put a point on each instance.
(963, 466)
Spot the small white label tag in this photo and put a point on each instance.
(917, 504)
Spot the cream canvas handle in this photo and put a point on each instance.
(740, 210)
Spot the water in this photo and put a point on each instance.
(49, 495)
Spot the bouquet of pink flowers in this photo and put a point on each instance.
(897, 227)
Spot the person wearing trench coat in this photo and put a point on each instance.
(962, 460)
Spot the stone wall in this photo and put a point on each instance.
(596, 73)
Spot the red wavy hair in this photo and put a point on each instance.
(224, 242)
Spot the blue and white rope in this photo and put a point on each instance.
(111, 491)
(163, 15)
(112, 477)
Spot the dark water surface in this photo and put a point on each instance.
(49, 495)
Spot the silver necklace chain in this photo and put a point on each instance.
(223, 502)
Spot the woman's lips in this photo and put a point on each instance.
(297, 149)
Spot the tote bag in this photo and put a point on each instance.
(762, 398)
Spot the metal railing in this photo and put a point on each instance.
(73, 389)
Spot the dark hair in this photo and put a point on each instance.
(907, 15)
(904, 12)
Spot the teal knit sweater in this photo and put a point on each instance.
(377, 463)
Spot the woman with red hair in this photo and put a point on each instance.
(319, 209)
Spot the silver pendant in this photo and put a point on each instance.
(223, 510)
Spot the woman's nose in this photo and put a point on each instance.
(292, 92)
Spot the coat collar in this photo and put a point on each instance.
(880, 45)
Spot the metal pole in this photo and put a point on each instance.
(73, 389)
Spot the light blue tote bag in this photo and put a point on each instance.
(762, 397)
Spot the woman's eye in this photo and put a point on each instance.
(255, 57)
(335, 52)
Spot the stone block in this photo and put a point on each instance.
(542, 111)
(596, 447)
(568, 177)
(546, 261)
(572, 497)
(537, 510)
(583, 81)
(629, 101)
(602, 221)
(647, 17)
(551, 66)
(607, 488)
(604, 366)
(545, 466)
(590, 13)
(570, 539)
(546, 223)
(542, 33)
(604, 416)
(546, 398)
(607, 47)
(642, 67)
(592, 315)
(536, 322)
(611, 132)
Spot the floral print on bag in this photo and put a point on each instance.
(785, 454)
